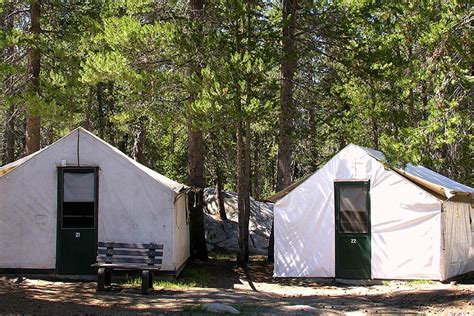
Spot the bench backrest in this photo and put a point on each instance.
(130, 254)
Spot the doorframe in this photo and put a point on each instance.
(60, 198)
(350, 183)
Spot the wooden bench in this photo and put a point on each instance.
(146, 258)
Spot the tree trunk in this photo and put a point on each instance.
(219, 194)
(196, 228)
(9, 145)
(313, 142)
(271, 244)
(9, 123)
(196, 164)
(33, 124)
(243, 194)
(122, 144)
(288, 68)
(101, 109)
(256, 189)
(196, 179)
(374, 120)
(243, 159)
(110, 111)
(247, 178)
(139, 145)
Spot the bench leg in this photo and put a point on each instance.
(100, 279)
(108, 277)
(145, 281)
(150, 283)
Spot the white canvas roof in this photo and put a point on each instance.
(425, 177)
(171, 184)
(422, 176)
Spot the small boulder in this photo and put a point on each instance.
(301, 308)
(219, 308)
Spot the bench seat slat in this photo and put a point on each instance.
(126, 267)
(129, 245)
(124, 260)
(129, 252)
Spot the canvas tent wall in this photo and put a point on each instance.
(134, 203)
(412, 232)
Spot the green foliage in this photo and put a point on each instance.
(395, 76)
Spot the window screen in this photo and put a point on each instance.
(79, 187)
(353, 210)
(79, 200)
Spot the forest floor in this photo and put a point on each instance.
(251, 290)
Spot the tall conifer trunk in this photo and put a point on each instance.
(243, 135)
(9, 123)
(288, 68)
(33, 124)
(220, 193)
(138, 150)
(9, 141)
(196, 165)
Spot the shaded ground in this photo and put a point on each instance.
(251, 290)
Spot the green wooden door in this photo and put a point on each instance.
(353, 250)
(77, 220)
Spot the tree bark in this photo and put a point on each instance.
(139, 145)
(122, 144)
(9, 145)
(33, 124)
(196, 180)
(374, 119)
(100, 109)
(271, 244)
(110, 101)
(9, 123)
(219, 194)
(195, 156)
(255, 185)
(243, 194)
(243, 157)
(196, 165)
(288, 68)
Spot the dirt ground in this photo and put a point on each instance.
(251, 291)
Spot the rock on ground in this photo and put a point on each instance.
(223, 235)
(219, 308)
(300, 308)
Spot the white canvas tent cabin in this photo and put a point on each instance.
(356, 218)
(57, 203)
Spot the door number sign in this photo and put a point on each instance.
(353, 241)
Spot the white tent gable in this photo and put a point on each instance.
(79, 132)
